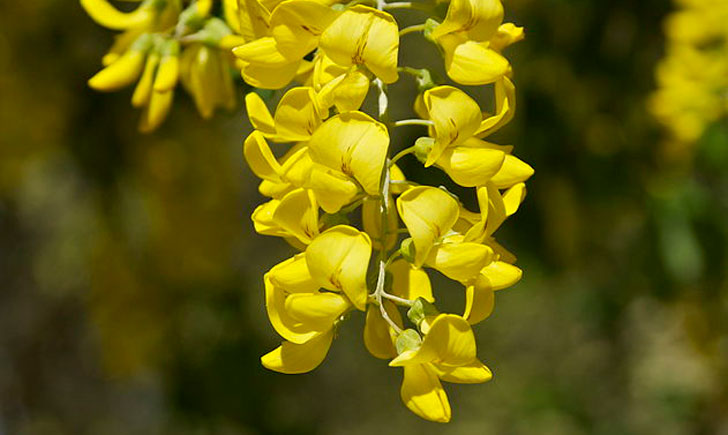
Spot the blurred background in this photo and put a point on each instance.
(131, 296)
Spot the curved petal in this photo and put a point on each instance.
(472, 63)
(410, 282)
(470, 167)
(473, 373)
(455, 115)
(263, 220)
(293, 276)
(428, 213)
(364, 36)
(260, 158)
(333, 189)
(379, 337)
(460, 261)
(297, 213)
(451, 339)
(505, 108)
(499, 275)
(513, 197)
(338, 260)
(108, 16)
(293, 359)
(259, 115)
(479, 302)
(297, 115)
(317, 310)
(297, 25)
(478, 19)
(423, 394)
(512, 172)
(352, 143)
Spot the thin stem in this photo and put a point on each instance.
(412, 29)
(401, 154)
(397, 299)
(404, 5)
(404, 122)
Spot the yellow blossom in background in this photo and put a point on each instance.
(162, 44)
(692, 79)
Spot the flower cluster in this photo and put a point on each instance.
(338, 170)
(693, 77)
(163, 42)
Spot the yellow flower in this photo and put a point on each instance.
(429, 214)
(273, 56)
(338, 259)
(296, 118)
(472, 38)
(353, 144)
(364, 36)
(447, 353)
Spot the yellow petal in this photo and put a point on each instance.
(513, 197)
(470, 167)
(423, 394)
(297, 115)
(478, 19)
(499, 275)
(260, 158)
(451, 339)
(479, 302)
(409, 282)
(354, 144)
(428, 213)
(275, 189)
(473, 373)
(364, 36)
(348, 92)
(512, 172)
(338, 259)
(123, 72)
(253, 19)
(333, 190)
(260, 117)
(108, 16)
(456, 117)
(372, 222)
(288, 326)
(292, 358)
(293, 275)
(297, 213)
(297, 165)
(317, 310)
(379, 337)
(263, 221)
(168, 72)
(508, 33)
(143, 90)
(492, 207)
(472, 63)
(505, 100)
(297, 25)
(460, 261)
(156, 111)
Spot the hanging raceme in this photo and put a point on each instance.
(340, 161)
(164, 42)
(692, 79)
(337, 163)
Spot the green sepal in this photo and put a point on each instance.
(421, 309)
(409, 339)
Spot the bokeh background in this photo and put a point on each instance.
(131, 295)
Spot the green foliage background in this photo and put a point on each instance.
(131, 290)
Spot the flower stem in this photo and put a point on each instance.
(412, 29)
(404, 122)
(401, 154)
